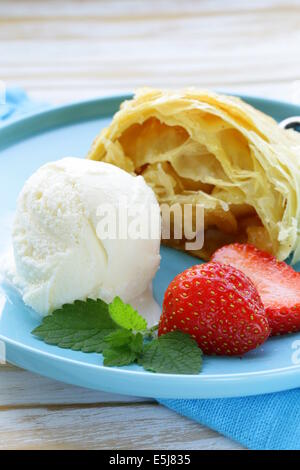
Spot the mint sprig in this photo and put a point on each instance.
(125, 315)
(124, 347)
(120, 356)
(173, 353)
(81, 326)
(121, 334)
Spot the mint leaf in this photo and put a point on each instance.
(124, 347)
(125, 316)
(119, 331)
(119, 337)
(118, 356)
(137, 343)
(126, 338)
(81, 326)
(172, 353)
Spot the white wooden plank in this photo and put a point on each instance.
(121, 9)
(123, 45)
(18, 387)
(126, 427)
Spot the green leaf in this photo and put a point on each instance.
(125, 316)
(118, 356)
(125, 338)
(172, 353)
(81, 326)
(119, 337)
(124, 347)
(118, 331)
(137, 343)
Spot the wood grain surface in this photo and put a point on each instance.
(38, 413)
(71, 50)
(61, 51)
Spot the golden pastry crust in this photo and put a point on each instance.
(199, 147)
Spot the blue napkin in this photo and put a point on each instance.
(264, 422)
(15, 102)
(260, 422)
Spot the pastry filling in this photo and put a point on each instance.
(217, 173)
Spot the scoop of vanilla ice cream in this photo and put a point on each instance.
(58, 255)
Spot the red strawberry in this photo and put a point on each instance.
(218, 306)
(277, 283)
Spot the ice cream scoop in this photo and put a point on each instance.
(58, 250)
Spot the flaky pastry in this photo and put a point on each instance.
(198, 147)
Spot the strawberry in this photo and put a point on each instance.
(277, 283)
(218, 306)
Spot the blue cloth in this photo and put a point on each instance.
(264, 422)
(15, 102)
(261, 422)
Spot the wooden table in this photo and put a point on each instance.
(63, 51)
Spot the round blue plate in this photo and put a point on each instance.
(26, 144)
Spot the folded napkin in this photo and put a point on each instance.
(264, 422)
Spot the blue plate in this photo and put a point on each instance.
(26, 144)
